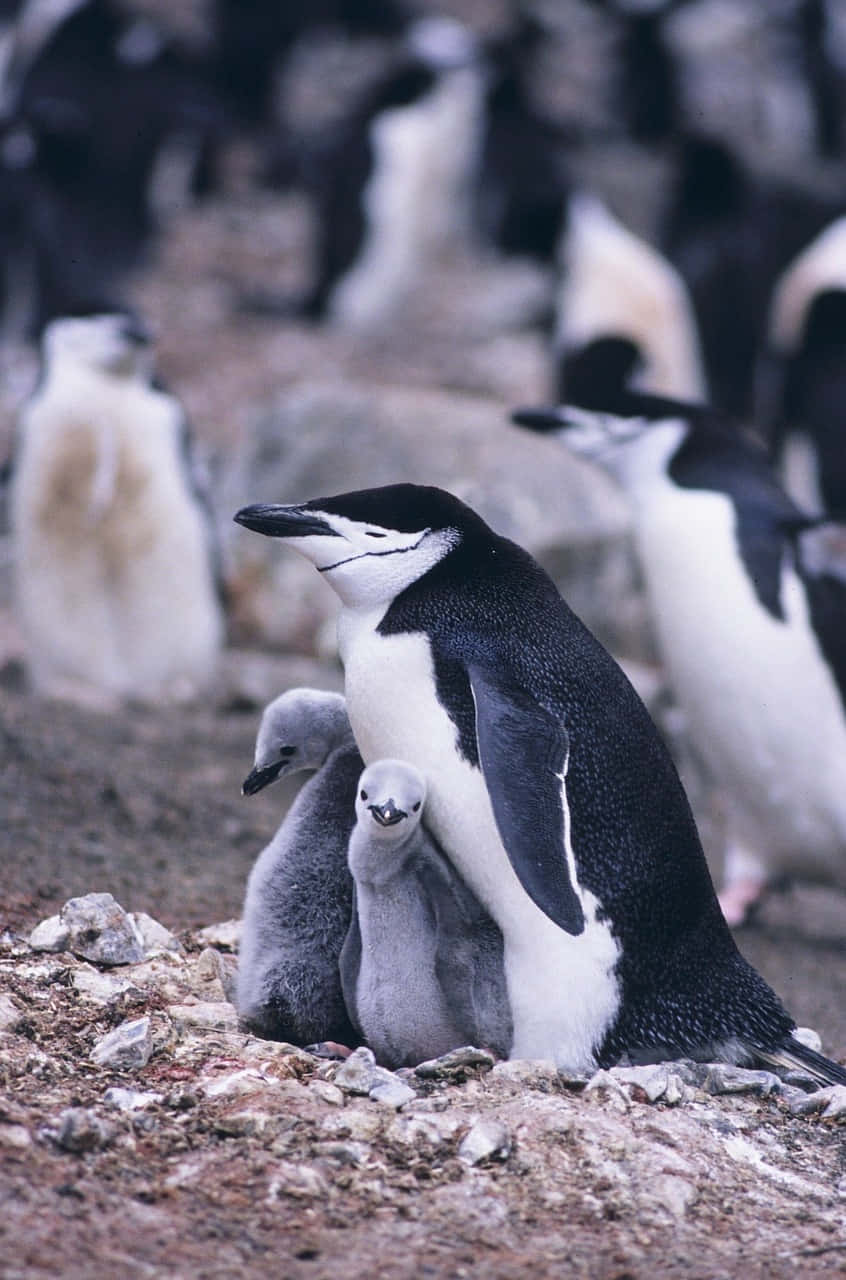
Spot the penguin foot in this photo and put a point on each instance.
(739, 899)
(328, 1049)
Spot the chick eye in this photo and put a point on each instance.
(364, 795)
(415, 807)
(285, 753)
(371, 533)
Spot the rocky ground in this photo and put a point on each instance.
(200, 1151)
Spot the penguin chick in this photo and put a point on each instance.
(298, 903)
(114, 567)
(421, 966)
(749, 602)
(549, 788)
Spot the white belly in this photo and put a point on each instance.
(562, 989)
(762, 707)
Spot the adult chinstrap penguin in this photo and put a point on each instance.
(116, 585)
(298, 904)
(749, 599)
(549, 789)
(421, 966)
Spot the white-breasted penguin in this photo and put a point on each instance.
(421, 966)
(615, 288)
(749, 599)
(801, 381)
(114, 550)
(549, 789)
(298, 904)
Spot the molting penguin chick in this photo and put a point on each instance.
(616, 288)
(802, 378)
(549, 789)
(422, 963)
(298, 904)
(749, 602)
(114, 558)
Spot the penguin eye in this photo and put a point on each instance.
(285, 753)
(364, 795)
(371, 533)
(415, 807)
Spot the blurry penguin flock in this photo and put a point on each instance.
(494, 846)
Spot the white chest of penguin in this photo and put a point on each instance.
(562, 989)
(761, 704)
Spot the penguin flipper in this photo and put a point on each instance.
(523, 751)
(793, 1056)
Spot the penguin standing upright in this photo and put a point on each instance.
(298, 903)
(749, 600)
(421, 966)
(549, 789)
(114, 551)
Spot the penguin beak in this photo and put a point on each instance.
(539, 419)
(387, 814)
(283, 522)
(258, 778)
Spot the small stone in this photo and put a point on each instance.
(10, 1014)
(130, 1099)
(247, 1080)
(359, 1073)
(130, 1046)
(155, 938)
(349, 1153)
(392, 1093)
(456, 1064)
(80, 1130)
(99, 987)
(227, 934)
(603, 1080)
(359, 1123)
(300, 1181)
(836, 1108)
(329, 1093)
(809, 1038)
(675, 1091)
(829, 1102)
(540, 1074)
(722, 1078)
(212, 965)
(50, 935)
(211, 1015)
(487, 1139)
(674, 1194)
(100, 930)
(15, 1136)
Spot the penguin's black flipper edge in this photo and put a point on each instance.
(523, 753)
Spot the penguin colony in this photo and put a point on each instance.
(493, 824)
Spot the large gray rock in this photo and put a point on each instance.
(324, 438)
(94, 927)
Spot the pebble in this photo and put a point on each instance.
(360, 1072)
(809, 1038)
(10, 1014)
(130, 1045)
(298, 1180)
(486, 1139)
(359, 1123)
(16, 1136)
(94, 927)
(130, 1099)
(722, 1078)
(327, 1092)
(540, 1074)
(97, 986)
(829, 1102)
(80, 1130)
(605, 1081)
(154, 936)
(211, 1015)
(455, 1064)
(227, 934)
(392, 1093)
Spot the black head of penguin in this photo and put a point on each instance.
(591, 374)
(815, 390)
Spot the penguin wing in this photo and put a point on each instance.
(523, 751)
(349, 966)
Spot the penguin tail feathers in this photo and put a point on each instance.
(795, 1056)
